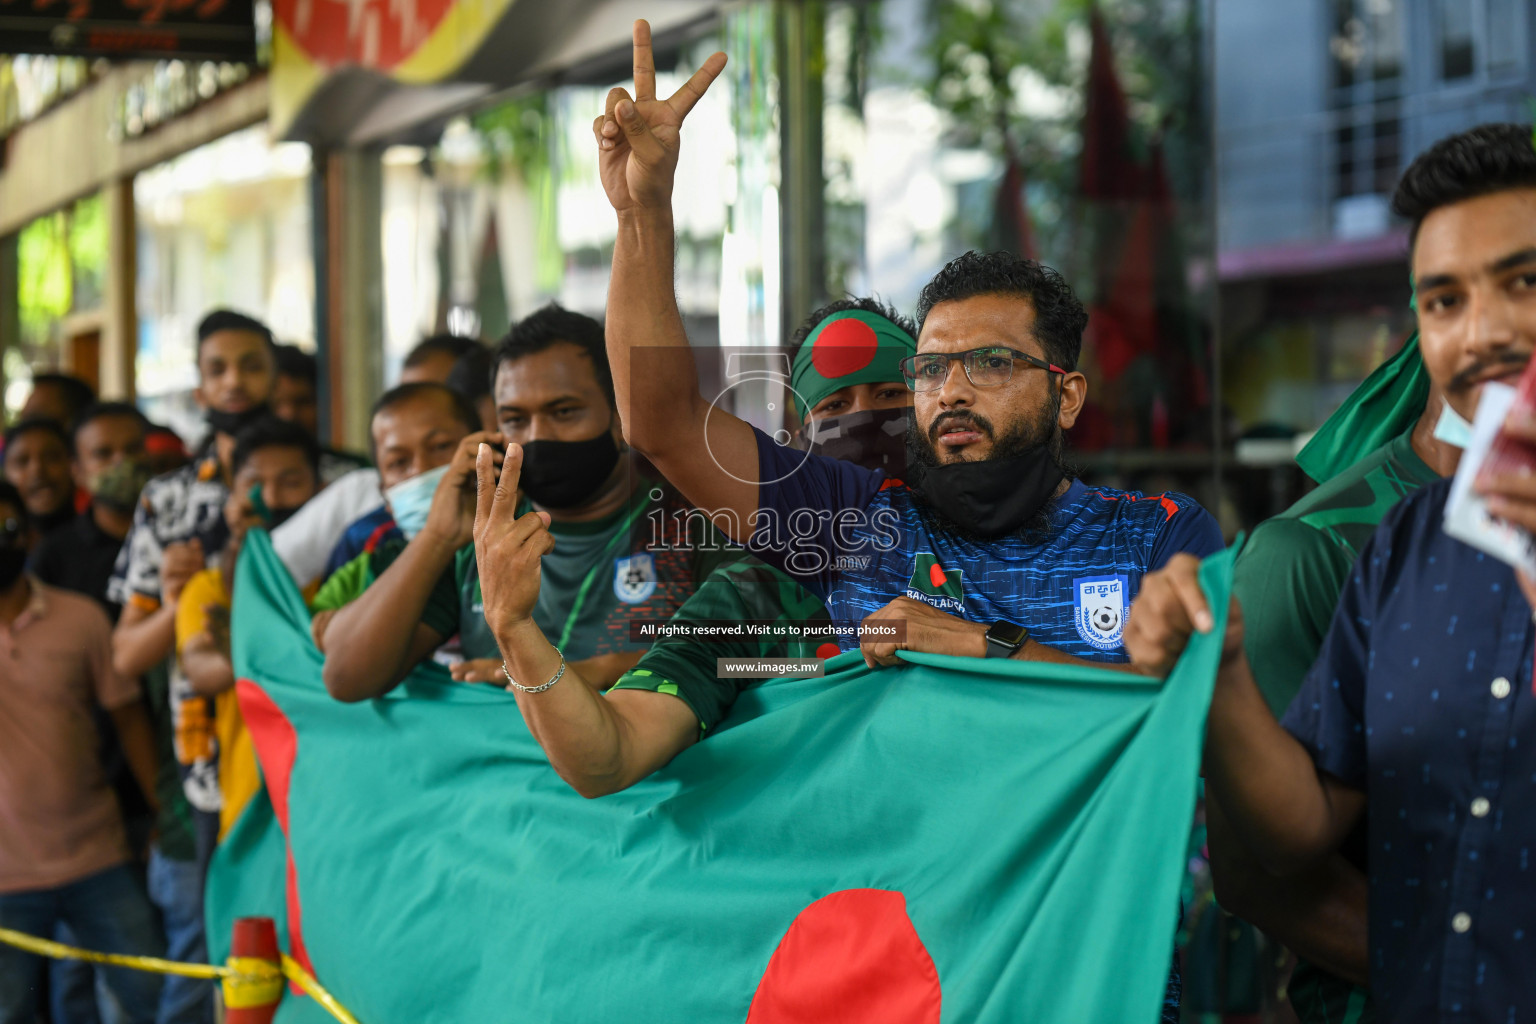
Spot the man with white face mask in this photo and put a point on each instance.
(1393, 435)
(1409, 724)
(415, 430)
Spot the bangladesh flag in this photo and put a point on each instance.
(953, 840)
(934, 580)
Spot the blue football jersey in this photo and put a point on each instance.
(859, 540)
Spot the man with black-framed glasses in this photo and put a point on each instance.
(989, 547)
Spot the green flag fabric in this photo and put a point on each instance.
(955, 839)
(1386, 405)
(850, 347)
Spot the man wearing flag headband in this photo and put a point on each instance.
(849, 398)
(848, 408)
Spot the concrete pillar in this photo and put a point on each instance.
(350, 273)
(120, 319)
(10, 306)
(802, 202)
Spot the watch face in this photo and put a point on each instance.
(1007, 633)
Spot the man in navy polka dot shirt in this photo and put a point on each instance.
(1418, 714)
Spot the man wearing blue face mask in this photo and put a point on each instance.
(627, 548)
(416, 428)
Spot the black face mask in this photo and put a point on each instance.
(994, 497)
(232, 423)
(565, 474)
(278, 516)
(872, 438)
(12, 561)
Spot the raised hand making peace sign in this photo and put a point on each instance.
(637, 137)
(507, 548)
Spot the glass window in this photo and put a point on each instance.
(506, 213)
(226, 224)
(61, 271)
(1457, 43)
(1506, 34)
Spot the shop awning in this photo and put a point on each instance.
(353, 72)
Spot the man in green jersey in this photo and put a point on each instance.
(554, 398)
(851, 409)
(1391, 437)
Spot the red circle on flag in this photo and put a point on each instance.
(844, 347)
(936, 574)
(828, 650)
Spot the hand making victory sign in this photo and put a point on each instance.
(507, 548)
(637, 137)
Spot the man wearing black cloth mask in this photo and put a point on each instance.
(179, 521)
(622, 552)
(177, 526)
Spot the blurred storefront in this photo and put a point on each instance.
(851, 147)
(84, 256)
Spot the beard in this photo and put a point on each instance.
(1041, 433)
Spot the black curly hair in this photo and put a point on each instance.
(1476, 162)
(1059, 316)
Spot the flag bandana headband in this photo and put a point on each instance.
(851, 347)
(1387, 404)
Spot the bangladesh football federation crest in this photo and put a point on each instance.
(933, 584)
(1100, 610)
(634, 578)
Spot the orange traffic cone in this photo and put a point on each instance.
(251, 995)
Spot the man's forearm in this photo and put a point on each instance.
(656, 383)
(136, 736)
(579, 731)
(1320, 913)
(654, 376)
(1034, 650)
(368, 642)
(142, 641)
(1264, 779)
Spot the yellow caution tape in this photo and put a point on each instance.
(255, 982)
(252, 981)
(316, 991)
(59, 951)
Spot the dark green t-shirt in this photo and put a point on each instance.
(1291, 571)
(747, 590)
(347, 584)
(1288, 580)
(639, 564)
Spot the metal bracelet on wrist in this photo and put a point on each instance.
(513, 684)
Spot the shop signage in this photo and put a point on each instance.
(130, 29)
